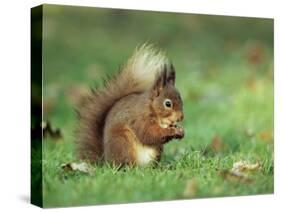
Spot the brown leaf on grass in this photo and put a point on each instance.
(240, 172)
(216, 145)
(234, 176)
(251, 84)
(266, 136)
(48, 131)
(191, 188)
(244, 166)
(77, 167)
(255, 53)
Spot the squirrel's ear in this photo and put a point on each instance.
(171, 75)
(160, 82)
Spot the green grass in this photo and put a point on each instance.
(226, 94)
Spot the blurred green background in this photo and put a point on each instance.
(225, 76)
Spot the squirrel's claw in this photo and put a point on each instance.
(179, 132)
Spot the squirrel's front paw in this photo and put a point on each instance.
(174, 132)
(179, 132)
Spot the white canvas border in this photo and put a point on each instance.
(15, 97)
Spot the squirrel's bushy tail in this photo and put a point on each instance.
(136, 76)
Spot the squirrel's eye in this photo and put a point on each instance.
(168, 103)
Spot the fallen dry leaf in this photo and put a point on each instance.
(235, 176)
(255, 53)
(240, 172)
(216, 146)
(191, 188)
(251, 84)
(77, 167)
(244, 166)
(266, 136)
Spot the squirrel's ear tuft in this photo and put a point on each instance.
(171, 75)
(166, 77)
(160, 82)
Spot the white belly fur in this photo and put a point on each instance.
(145, 154)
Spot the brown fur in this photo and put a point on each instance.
(121, 123)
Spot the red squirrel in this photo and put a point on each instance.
(134, 114)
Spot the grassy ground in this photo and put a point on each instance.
(225, 76)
